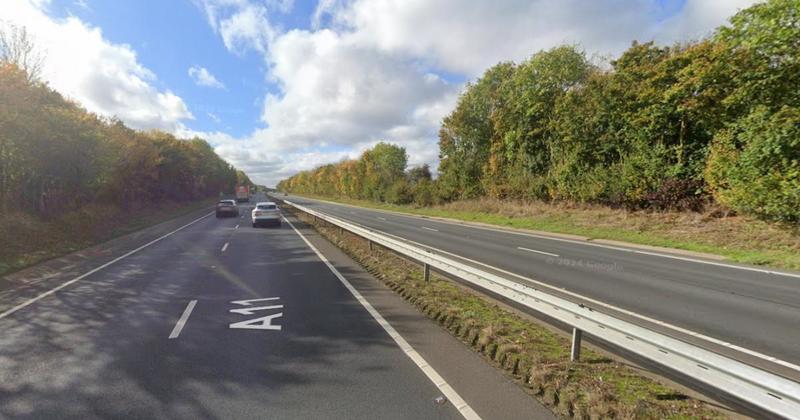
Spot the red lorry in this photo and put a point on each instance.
(243, 193)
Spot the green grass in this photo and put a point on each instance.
(734, 238)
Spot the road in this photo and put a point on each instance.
(217, 319)
(704, 301)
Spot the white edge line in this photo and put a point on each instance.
(182, 321)
(538, 252)
(224, 247)
(573, 241)
(426, 368)
(89, 273)
(602, 304)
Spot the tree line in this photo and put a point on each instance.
(661, 127)
(379, 174)
(57, 157)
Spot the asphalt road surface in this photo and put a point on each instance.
(221, 320)
(743, 305)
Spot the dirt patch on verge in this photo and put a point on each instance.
(534, 357)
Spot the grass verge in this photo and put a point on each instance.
(28, 239)
(736, 238)
(533, 356)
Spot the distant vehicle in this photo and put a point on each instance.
(243, 193)
(227, 208)
(265, 213)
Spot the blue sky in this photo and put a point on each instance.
(294, 84)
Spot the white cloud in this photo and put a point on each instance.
(104, 77)
(214, 117)
(335, 92)
(283, 6)
(83, 4)
(266, 165)
(202, 77)
(241, 24)
(467, 40)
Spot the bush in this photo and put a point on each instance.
(399, 192)
(754, 165)
(423, 193)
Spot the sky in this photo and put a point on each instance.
(279, 86)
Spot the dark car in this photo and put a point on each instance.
(227, 208)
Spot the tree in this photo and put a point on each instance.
(754, 166)
(381, 167)
(465, 137)
(762, 55)
(378, 174)
(55, 157)
(17, 47)
(522, 123)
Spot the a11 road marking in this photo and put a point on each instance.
(262, 323)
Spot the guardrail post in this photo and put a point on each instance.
(575, 354)
(426, 272)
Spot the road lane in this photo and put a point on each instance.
(752, 309)
(100, 348)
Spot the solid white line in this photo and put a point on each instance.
(426, 368)
(538, 252)
(224, 247)
(182, 321)
(606, 305)
(573, 241)
(82, 276)
(431, 229)
(382, 218)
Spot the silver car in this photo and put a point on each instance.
(227, 208)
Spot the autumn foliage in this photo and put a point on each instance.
(56, 157)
